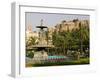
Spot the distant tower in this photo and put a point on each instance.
(29, 28)
(29, 32)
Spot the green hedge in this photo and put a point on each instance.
(75, 62)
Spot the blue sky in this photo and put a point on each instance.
(49, 19)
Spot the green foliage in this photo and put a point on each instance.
(76, 39)
(74, 62)
(30, 54)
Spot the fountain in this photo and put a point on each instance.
(42, 46)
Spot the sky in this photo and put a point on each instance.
(50, 19)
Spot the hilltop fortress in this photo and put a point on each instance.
(69, 25)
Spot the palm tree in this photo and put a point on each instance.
(84, 36)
